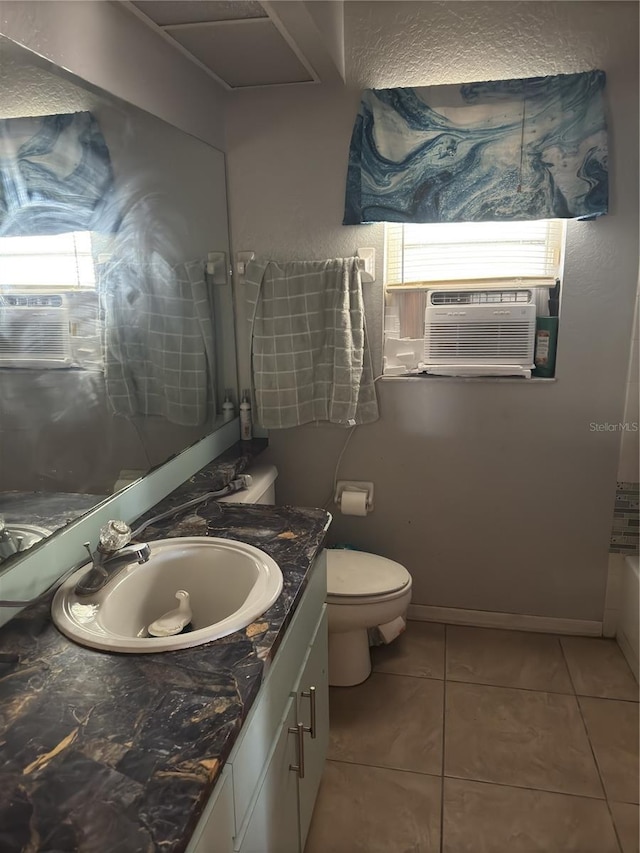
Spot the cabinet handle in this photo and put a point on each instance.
(299, 767)
(310, 694)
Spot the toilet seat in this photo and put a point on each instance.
(356, 576)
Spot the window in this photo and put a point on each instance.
(432, 269)
(56, 261)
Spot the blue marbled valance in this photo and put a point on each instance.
(55, 175)
(523, 149)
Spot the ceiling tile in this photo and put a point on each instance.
(163, 12)
(243, 53)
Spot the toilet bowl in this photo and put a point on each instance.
(363, 591)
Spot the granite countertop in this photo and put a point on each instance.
(107, 752)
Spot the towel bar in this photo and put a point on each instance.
(366, 263)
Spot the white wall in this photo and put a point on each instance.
(108, 46)
(495, 495)
(629, 464)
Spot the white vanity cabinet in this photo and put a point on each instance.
(214, 832)
(313, 713)
(264, 799)
(273, 817)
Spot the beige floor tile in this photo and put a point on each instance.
(507, 659)
(484, 818)
(389, 721)
(598, 668)
(419, 651)
(625, 818)
(613, 730)
(514, 737)
(372, 810)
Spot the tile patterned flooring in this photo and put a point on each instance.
(474, 740)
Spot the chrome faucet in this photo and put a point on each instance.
(112, 555)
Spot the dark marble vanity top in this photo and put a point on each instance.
(117, 753)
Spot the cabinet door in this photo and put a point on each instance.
(251, 752)
(314, 675)
(214, 833)
(273, 823)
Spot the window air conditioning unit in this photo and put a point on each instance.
(488, 332)
(34, 330)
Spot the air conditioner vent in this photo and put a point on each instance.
(479, 297)
(477, 342)
(479, 332)
(30, 300)
(34, 331)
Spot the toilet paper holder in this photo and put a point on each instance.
(354, 486)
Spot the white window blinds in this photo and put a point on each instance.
(58, 261)
(472, 253)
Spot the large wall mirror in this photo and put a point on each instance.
(116, 313)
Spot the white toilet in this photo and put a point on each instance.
(363, 591)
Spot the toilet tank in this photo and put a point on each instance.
(262, 489)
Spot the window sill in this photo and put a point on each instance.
(517, 380)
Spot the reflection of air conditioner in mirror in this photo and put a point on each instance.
(34, 330)
(489, 332)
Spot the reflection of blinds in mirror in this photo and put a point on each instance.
(473, 252)
(60, 261)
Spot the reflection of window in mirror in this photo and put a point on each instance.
(48, 293)
(60, 261)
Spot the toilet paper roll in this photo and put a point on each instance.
(353, 503)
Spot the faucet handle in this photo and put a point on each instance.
(113, 536)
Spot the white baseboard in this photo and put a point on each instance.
(512, 621)
(630, 653)
(628, 629)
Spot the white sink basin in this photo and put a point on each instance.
(230, 584)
